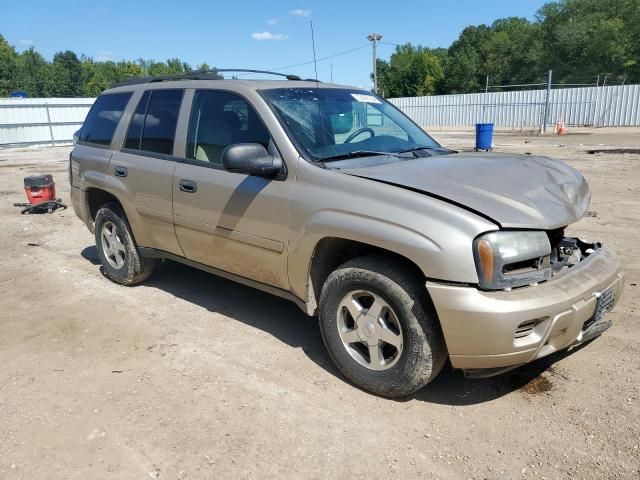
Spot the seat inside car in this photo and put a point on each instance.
(214, 134)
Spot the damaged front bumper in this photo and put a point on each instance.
(495, 331)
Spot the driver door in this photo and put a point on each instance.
(233, 222)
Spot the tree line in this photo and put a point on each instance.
(68, 75)
(578, 39)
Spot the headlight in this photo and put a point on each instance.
(508, 259)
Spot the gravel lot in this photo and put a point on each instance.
(193, 376)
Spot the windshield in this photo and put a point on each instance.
(332, 123)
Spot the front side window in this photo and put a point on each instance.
(103, 118)
(153, 126)
(331, 122)
(219, 119)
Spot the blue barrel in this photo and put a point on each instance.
(484, 136)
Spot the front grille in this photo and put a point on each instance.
(605, 302)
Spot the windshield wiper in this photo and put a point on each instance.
(356, 154)
(417, 148)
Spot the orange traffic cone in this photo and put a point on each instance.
(560, 127)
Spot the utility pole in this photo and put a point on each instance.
(331, 65)
(486, 85)
(545, 119)
(375, 38)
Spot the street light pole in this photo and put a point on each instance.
(375, 38)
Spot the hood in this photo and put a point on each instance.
(515, 191)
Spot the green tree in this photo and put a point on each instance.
(410, 71)
(127, 69)
(465, 66)
(66, 76)
(514, 52)
(32, 72)
(585, 38)
(8, 68)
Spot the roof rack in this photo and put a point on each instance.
(213, 74)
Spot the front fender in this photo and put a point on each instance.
(434, 258)
(434, 235)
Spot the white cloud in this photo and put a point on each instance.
(300, 13)
(26, 43)
(273, 21)
(104, 56)
(268, 36)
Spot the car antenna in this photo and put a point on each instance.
(315, 65)
(313, 43)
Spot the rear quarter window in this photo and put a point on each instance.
(153, 126)
(103, 118)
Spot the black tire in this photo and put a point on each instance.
(135, 268)
(424, 352)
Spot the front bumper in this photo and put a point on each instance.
(481, 329)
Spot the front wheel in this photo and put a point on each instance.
(380, 328)
(118, 252)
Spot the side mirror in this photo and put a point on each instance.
(250, 159)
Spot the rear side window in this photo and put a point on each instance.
(153, 126)
(103, 118)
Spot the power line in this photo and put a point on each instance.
(320, 59)
(323, 58)
(392, 44)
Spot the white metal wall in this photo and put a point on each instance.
(25, 121)
(54, 120)
(590, 106)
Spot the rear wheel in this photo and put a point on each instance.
(117, 249)
(380, 328)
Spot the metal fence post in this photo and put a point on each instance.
(545, 117)
(46, 106)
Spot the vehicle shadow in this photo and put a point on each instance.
(91, 254)
(452, 388)
(285, 321)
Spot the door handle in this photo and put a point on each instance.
(121, 171)
(188, 186)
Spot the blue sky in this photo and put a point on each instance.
(238, 33)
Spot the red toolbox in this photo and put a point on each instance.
(40, 188)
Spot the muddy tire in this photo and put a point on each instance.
(118, 252)
(380, 327)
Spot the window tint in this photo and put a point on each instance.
(219, 119)
(134, 134)
(103, 118)
(153, 126)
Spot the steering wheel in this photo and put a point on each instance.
(358, 132)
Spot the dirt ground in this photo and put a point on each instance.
(193, 376)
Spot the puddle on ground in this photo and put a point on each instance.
(537, 385)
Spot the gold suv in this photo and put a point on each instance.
(329, 196)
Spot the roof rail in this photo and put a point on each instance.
(213, 74)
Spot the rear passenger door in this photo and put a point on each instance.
(234, 222)
(92, 153)
(143, 168)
